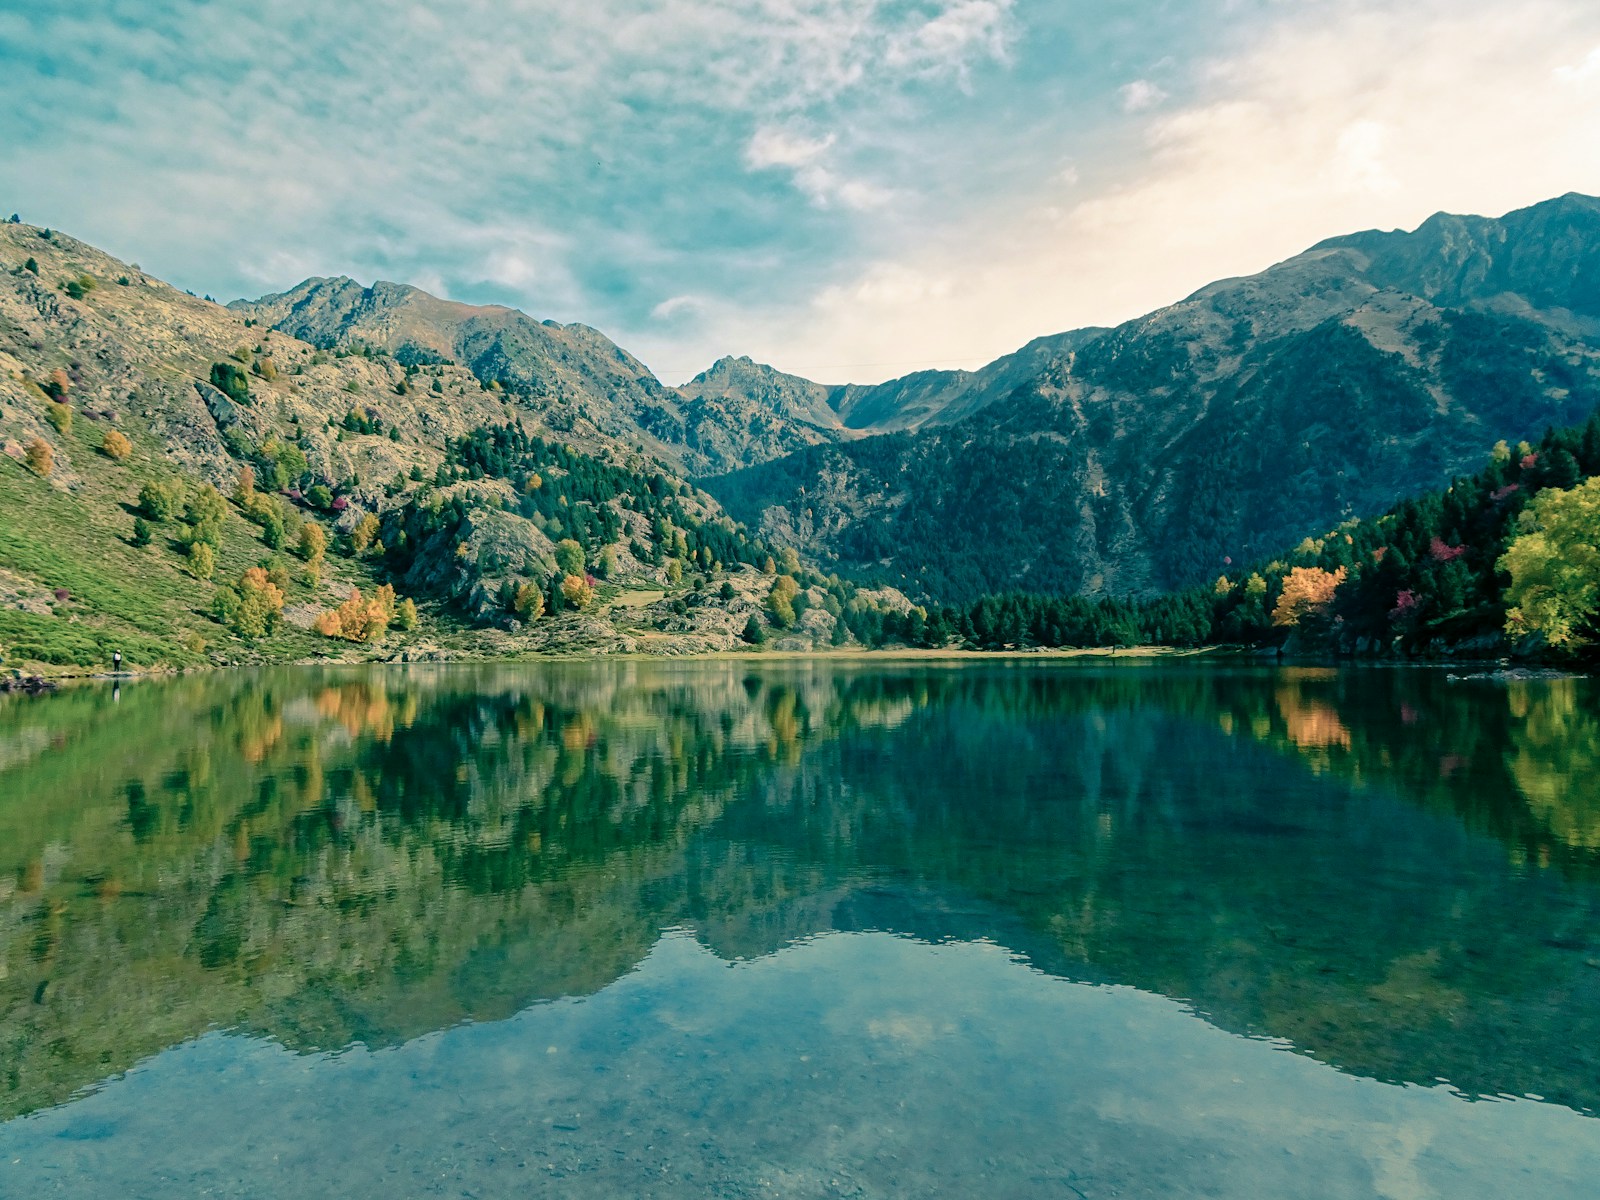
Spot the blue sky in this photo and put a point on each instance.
(847, 188)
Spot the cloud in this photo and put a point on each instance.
(1141, 95)
(811, 181)
(951, 40)
(1581, 73)
(675, 307)
(1348, 118)
(772, 147)
(804, 158)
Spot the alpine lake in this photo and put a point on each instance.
(1002, 928)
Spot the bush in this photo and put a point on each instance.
(231, 381)
(569, 557)
(59, 415)
(159, 501)
(753, 632)
(41, 459)
(31, 265)
(202, 560)
(116, 445)
(142, 532)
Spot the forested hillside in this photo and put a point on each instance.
(1501, 561)
(183, 486)
(1222, 427)
(355, 471)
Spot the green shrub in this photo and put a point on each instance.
(202, 560)
(231, 381)
(159, 501)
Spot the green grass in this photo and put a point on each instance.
(139, 600)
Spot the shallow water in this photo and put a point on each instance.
(1000, 929)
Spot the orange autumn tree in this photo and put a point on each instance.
(359, 619)
(1307, 591)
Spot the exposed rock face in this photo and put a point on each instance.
(734, 414)
(1225, 427)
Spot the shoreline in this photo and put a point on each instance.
(902, 654)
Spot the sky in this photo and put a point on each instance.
(847, 189)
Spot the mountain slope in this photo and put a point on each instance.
(156, 448)
(731, 415)
(1222, 427)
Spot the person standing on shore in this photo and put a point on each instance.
(116, 661)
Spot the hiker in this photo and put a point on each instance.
(116, 661)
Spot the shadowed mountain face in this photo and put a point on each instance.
(1225, 427)
(1395, 873)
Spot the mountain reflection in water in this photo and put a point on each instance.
(1390, 872)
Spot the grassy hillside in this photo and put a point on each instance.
(156, 447)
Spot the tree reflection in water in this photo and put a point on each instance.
(1393, 871)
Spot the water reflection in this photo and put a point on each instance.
(1392, 872)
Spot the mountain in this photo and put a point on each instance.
(1218, 429)
(734, 414)
(447, 450)
(739, 411)
(156, 449)
(569, 375)
(942, 397)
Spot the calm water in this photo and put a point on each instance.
(1012, 929)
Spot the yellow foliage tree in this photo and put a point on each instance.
(313, 542)
(116, 445)
(259, 604)
(780, 600)
(1306, 591)
(575, 590)
(202, 560)
(41, 459)
(365, 532)
(359, 619)
(527, 602)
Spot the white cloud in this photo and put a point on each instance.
(1141, 95)
(805, 160)
(1366, 116)
(774, 147)
(1358, 163)
(676, 307)
(947, 43)
(1585, 72)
